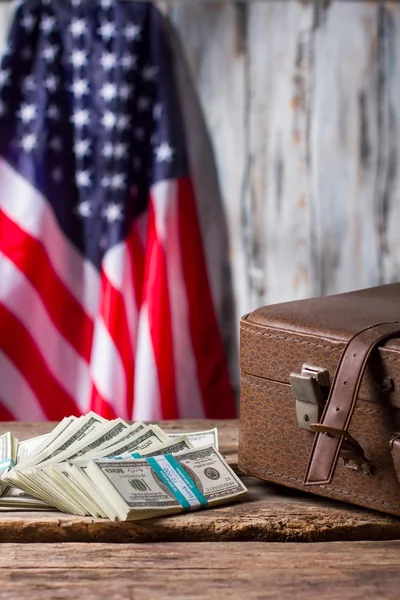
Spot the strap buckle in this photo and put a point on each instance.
(309, 393)
(351, 452)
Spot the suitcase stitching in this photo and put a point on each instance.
(331, 488)
(259, 385)
(286, 339)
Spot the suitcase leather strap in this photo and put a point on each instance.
(341, 402)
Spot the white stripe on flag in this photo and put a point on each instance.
(19, 296)
(107, 370)
(16, 394)
(147, 391)
(165, 202)
(118, 270)
(24, 205)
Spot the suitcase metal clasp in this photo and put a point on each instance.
(310, 390)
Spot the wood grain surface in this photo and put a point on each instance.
(300, 99)
(267, 513)
(336, 571)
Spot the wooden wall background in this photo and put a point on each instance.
(302, 101)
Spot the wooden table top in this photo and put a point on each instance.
(110, 562)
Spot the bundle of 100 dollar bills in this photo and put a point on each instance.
(110, 469)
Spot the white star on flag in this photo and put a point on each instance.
(78, 27)
(108, 60)
(28, 83)
(128, 61)
(108, 150)
(82, 148)
(113, 212)
(83, 178)
(106, 3)
(80, 87)
(84, 209)
(53, 112)
(120, 150)
(132, 32)
(48, 23)
(27, 113)
(164, 152)
(108, 91)
(109, 120)
(107, 30)
(118, 181)
(80, 118)
(105, 182)
(49, 53)
(123, 122)
(51, 83)
(149, 73)
(28, 22)
(79, 58)
(29, 142)
(125, 91)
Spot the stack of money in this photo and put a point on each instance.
(8, 456)
(111, 469)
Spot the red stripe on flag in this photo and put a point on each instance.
(137, 264)
(101, 406)
(21, 349)
(112, 311)
(5, 415)
(157, 298)
(207, 343)
(30, 257)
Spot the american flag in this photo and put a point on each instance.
(105, 297)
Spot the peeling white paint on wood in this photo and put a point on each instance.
(276, 202)
(307, 149)
(344, 147)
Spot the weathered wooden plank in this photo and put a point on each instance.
(312, 202)
(180, 571)
(276, 203)
(388, 214)
(267, 513)
(346, 153)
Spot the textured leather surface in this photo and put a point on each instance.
(277, 340)
(337, 317)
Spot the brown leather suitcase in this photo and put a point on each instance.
(320, 396)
